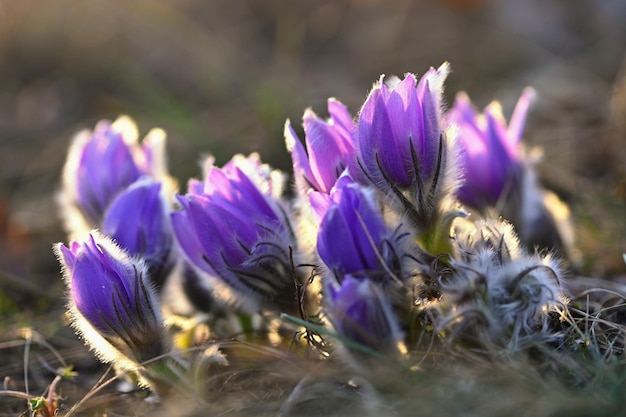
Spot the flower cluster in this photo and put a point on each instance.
(394, 230)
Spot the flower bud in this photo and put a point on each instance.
(403, 149)
(359, 311)
(353, 238)
(111, 301)
(138, 221)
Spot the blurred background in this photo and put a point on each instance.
(222, 76)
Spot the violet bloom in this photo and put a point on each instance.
(353, 238)
(102, 163)
(240, 239)
(329, 148)
(112, 304)
(399, 138)
(491, 156)
(359, 311)
(138, 221)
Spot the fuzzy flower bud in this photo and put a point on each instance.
(498, 295)
(353, 238)
(138, 221)
(111, 301)
(403, 149)
(359, 311)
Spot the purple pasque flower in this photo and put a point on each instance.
(112, 303)
(329, 148)
(354, 239)
(399, 137)
(102, 163)
(239, 237)
(360, 311)
(138, 220)
(491, 157)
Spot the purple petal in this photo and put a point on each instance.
(326, 149)
(342, 119)
(351, 233)
(518, 119)
(188, 240)
(136, 220)
(301, 166)
(378, 147)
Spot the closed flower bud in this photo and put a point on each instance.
(138, 220)
(360, 312)
(111, 302)
(354, 239)
(496, 294)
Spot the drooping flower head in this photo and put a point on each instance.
(329, 148)
(138, 220)
(354, 239)
(491, 157)
(239, 237)
(102, 163)
(360, 312)
(112, 303)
